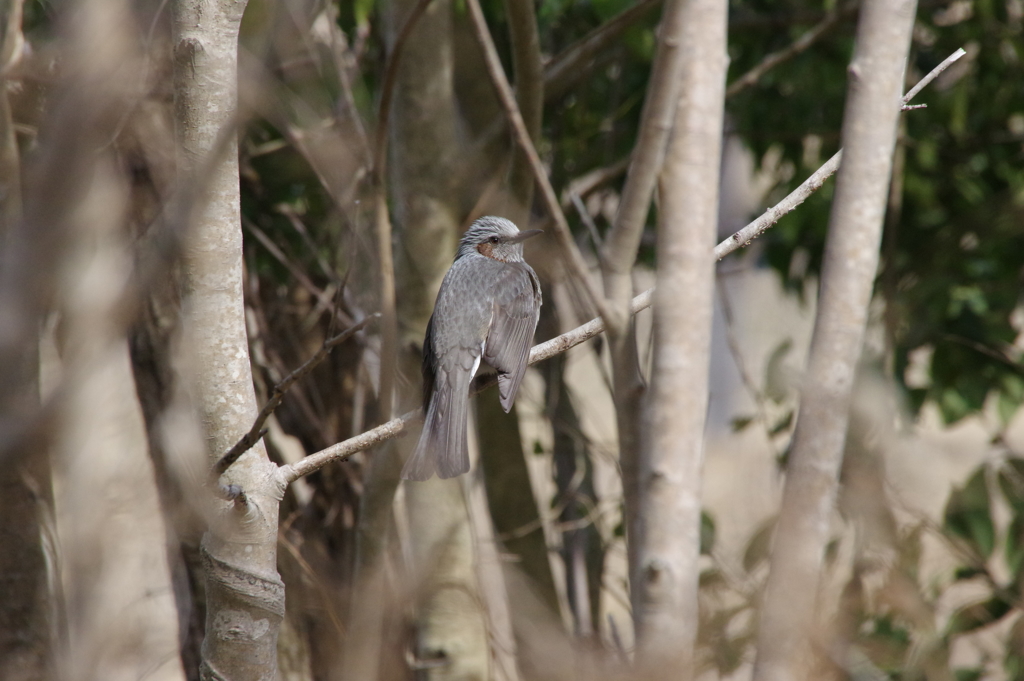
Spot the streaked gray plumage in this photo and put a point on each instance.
(488, 308)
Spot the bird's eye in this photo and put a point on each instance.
(494, 240)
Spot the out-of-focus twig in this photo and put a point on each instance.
(799, 45)
(573, 63)
(388, 87)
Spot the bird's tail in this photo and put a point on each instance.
(442, 445)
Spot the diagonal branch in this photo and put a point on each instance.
(559, 344)
(816, 180)
(397, 426)
(508, 102)
(257, 431)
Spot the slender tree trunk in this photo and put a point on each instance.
(619, 253)
(665, 595)
(245, 596)
(850, 265)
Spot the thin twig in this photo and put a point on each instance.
(299, 226)
(587, 221)
(801, 44)
(508, 101)
(277, 395)
(932, 75)
(588, 182)
(292, 268)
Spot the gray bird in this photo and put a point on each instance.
(488, 308)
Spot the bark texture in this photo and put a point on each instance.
(245, 596)
(850, 264)
(668, 544)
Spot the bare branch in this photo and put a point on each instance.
(295, 270)
(932, 75)
(588, 182)
(388, 87)
(397, 426)
(508, 101)
(814, 182)
(529, 92)
(277, 395)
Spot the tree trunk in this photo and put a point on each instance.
(850, 265)
(665, 595)
(619, 253)
(245, 596)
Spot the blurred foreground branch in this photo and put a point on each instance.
(788, 629)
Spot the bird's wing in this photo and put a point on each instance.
(516, 310)
(451, 354)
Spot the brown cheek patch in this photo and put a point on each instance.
(486, 249)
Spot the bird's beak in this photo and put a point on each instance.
(523, 236)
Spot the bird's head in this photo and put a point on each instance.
(495, 238)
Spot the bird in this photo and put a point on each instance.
(487, 308)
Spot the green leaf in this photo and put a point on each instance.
(968, 514)
(978, 615)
